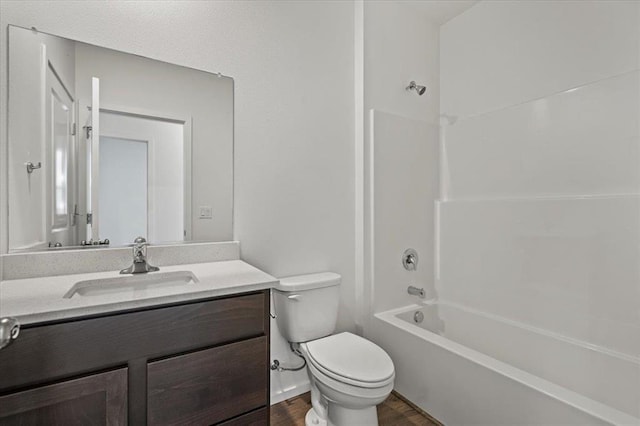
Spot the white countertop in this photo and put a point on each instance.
(36, 300)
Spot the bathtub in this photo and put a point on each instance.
(467, 367)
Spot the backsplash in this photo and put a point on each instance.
(52, 263)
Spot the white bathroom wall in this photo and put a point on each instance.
(541, 204)
(502, 53)
(294, 112)
(583, 141)
(400, 45)
(405, 182)
(401, 150)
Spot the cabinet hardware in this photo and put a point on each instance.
(9, 331)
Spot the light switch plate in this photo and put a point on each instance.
(206, 212)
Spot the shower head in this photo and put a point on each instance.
(419, 89)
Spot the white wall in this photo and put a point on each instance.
(405, 183)
(401, 45)
(294, 112)
(502, 53)
(540, 218)
(401, 137)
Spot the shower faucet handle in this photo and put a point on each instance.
(410, 259)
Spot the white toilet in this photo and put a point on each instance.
(349, 375)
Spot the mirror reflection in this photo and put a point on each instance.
(105, 146)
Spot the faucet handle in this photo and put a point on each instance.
(140, 241)
(410, 259)
(139, 249)
(140, 264)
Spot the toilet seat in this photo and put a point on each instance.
(352, 360)
(346, 394)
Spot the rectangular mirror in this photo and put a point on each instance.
(105, 146)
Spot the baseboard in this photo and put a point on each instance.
(418, 409)
(290, 393)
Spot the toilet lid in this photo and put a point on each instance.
(352, 357)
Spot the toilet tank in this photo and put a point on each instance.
(307, 306)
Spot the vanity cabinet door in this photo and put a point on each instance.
(99, 399)
(209, 386)
(259, 417)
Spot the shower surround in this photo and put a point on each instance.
(537, 221)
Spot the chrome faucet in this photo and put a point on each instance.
(415, 291)
(140, 265)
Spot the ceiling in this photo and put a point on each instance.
(440, 11)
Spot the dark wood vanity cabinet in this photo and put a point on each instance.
(196, 363)
(92, 400)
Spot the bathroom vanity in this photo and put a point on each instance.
(125, 147)
(198, 355)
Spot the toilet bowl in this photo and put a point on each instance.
(349, 374)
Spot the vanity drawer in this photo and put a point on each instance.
(96, 399)
(51, 352)
(208, 386)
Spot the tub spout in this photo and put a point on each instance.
(415, 291)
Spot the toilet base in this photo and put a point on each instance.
(342, 416)
(312, 419)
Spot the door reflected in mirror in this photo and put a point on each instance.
(128, 146)
(143, 161)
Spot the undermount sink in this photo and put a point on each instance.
(154, 280)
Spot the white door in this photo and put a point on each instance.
(123, 190)
(157, 195)
(59, 166)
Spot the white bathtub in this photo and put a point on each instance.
(467, 367)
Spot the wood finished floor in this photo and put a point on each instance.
(392, 412)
